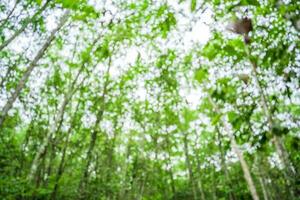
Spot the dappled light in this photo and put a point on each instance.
(149, 99)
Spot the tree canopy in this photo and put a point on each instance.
(150, 100)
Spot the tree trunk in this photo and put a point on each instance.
(4, 21)
(142, 187)
(199, 181)
(245, 169)
(61, 166)
(224, 167)
(263, 188)
(214, 188)
(94, 133)
(281, 151)
(239, 154)
(173, 188)
(24, 26)
(190, 169)
(50, 161)
(84, 178)
(122, 193)
(279, 146)
(54, 126)
(21, 84)
(258, 165)
(39, 176)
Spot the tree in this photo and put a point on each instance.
(149, 100)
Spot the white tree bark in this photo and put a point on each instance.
(239, 153)
(4, 21)
(24, 26)
(53, 128)
(94, 132)
(245, 169)
(21, 84)
(277, 141)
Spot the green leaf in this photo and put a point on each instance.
(86, 56)
(193, 5)
(68, 3)
(167, 24)
(201, 75)
(232, 116)
(216, 119)
(249, 2)
(189, 115)
(39, 2)
(211, 50)
(279, 130)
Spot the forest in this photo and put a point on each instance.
(149, 99)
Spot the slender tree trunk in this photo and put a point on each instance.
(122, 193)
(276, 191)
(10, 68)
(3, 79)
(93, 138)
(50, 161)
(258, 163)
(262, 184)
(21, 84)
(84, 179)
(214, 190)
(39, 174)
(26, 140)
(24, 26)
(199, 180)
(54, 126)
(170, 171)
(281, 151)
(110, 162)
(61, 166)
(68, 96)
(142, 187)
(279, 146)
(173, 188)
(245, 169)
(4, 21)
(239, 153)
(134, 178)
(190, 169)
(289, 171)
(85, 176)
(224, 167)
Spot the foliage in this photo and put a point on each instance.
(110, 100)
